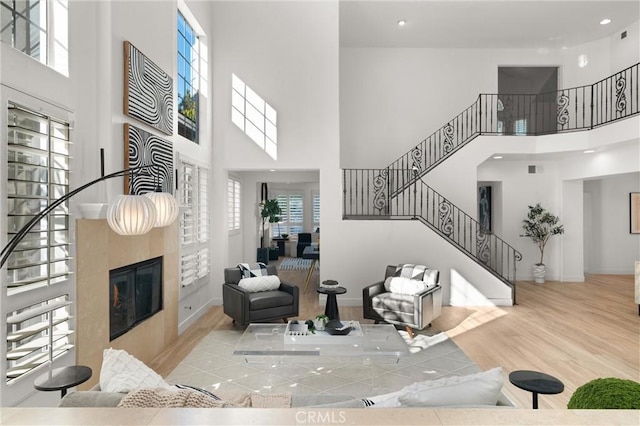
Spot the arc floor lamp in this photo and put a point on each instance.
(127, 215)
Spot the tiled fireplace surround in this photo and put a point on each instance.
(99, 250)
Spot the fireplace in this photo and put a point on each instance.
(135, 294)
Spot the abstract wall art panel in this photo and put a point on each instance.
(144, 148)
(148, 91)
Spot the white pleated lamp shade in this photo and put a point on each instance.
(131, 215)
(166, 207)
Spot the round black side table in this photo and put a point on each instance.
(63, 378)
(536, 382)
(331, 309)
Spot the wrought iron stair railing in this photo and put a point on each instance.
(386, 193)
(423, 203)
(568, 110)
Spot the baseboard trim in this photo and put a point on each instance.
(195, 316)
(629, 271)
(573, 279)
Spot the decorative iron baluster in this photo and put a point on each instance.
(483, 252)
(379, 190)
(416, 156)
(621, 98)
(563, 109)
(448, 138)
(446, 217)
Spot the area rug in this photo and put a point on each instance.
(420, 342)
(211, 365)
(295, 263)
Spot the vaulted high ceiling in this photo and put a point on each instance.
(477, 24)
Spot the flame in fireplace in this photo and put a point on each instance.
(116, 296)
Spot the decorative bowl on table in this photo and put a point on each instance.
(337, 328)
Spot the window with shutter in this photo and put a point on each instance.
(292, 218)
(316, 210)
(194, 221)
(233, 204)
(38, 271)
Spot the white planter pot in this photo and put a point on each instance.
(539, 272)
(318, 324)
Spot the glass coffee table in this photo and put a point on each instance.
(317, 362)
(366, 343)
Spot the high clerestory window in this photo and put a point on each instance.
(254, 116)
(38, 28)
(189, 74)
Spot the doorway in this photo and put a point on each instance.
(527, 98)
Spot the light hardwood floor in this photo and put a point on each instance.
(573, 331)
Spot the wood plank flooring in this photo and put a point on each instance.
(573, 331)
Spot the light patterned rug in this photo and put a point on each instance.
(211, 365)
(293, 263)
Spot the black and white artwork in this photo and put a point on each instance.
(484, 208)
(144, 148)
(148, 91)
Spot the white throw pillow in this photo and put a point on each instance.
(122, 372)
(255, 284)
(474, 389)
(430, 276)
(387, 400)
(400, 285)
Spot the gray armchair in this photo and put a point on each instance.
(245, 307)
(412, 311)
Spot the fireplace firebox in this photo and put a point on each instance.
(135, 294)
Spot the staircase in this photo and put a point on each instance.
(397, 192)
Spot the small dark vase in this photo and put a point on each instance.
(263, 255)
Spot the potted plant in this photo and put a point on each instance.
(269, 212)
(540, 225)
(320, 321)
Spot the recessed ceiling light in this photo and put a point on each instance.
(605, 21)
(402, 23)
(497, 157)
(589, 151)
(272, 170)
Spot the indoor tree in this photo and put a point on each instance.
(270, 212)
(540, 225)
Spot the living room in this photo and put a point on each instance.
(336, 99)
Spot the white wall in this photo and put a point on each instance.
(394, 98)
(609, 246)
(288, 53)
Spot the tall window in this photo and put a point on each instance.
(316, 210)
(254, 116)
(38, 28)
(292, 218)
(38, 171)
(194, 222)
(189, 72)
(37, 280)
(233, 204)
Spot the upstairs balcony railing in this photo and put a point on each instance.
(366, 196)
(576, 109)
